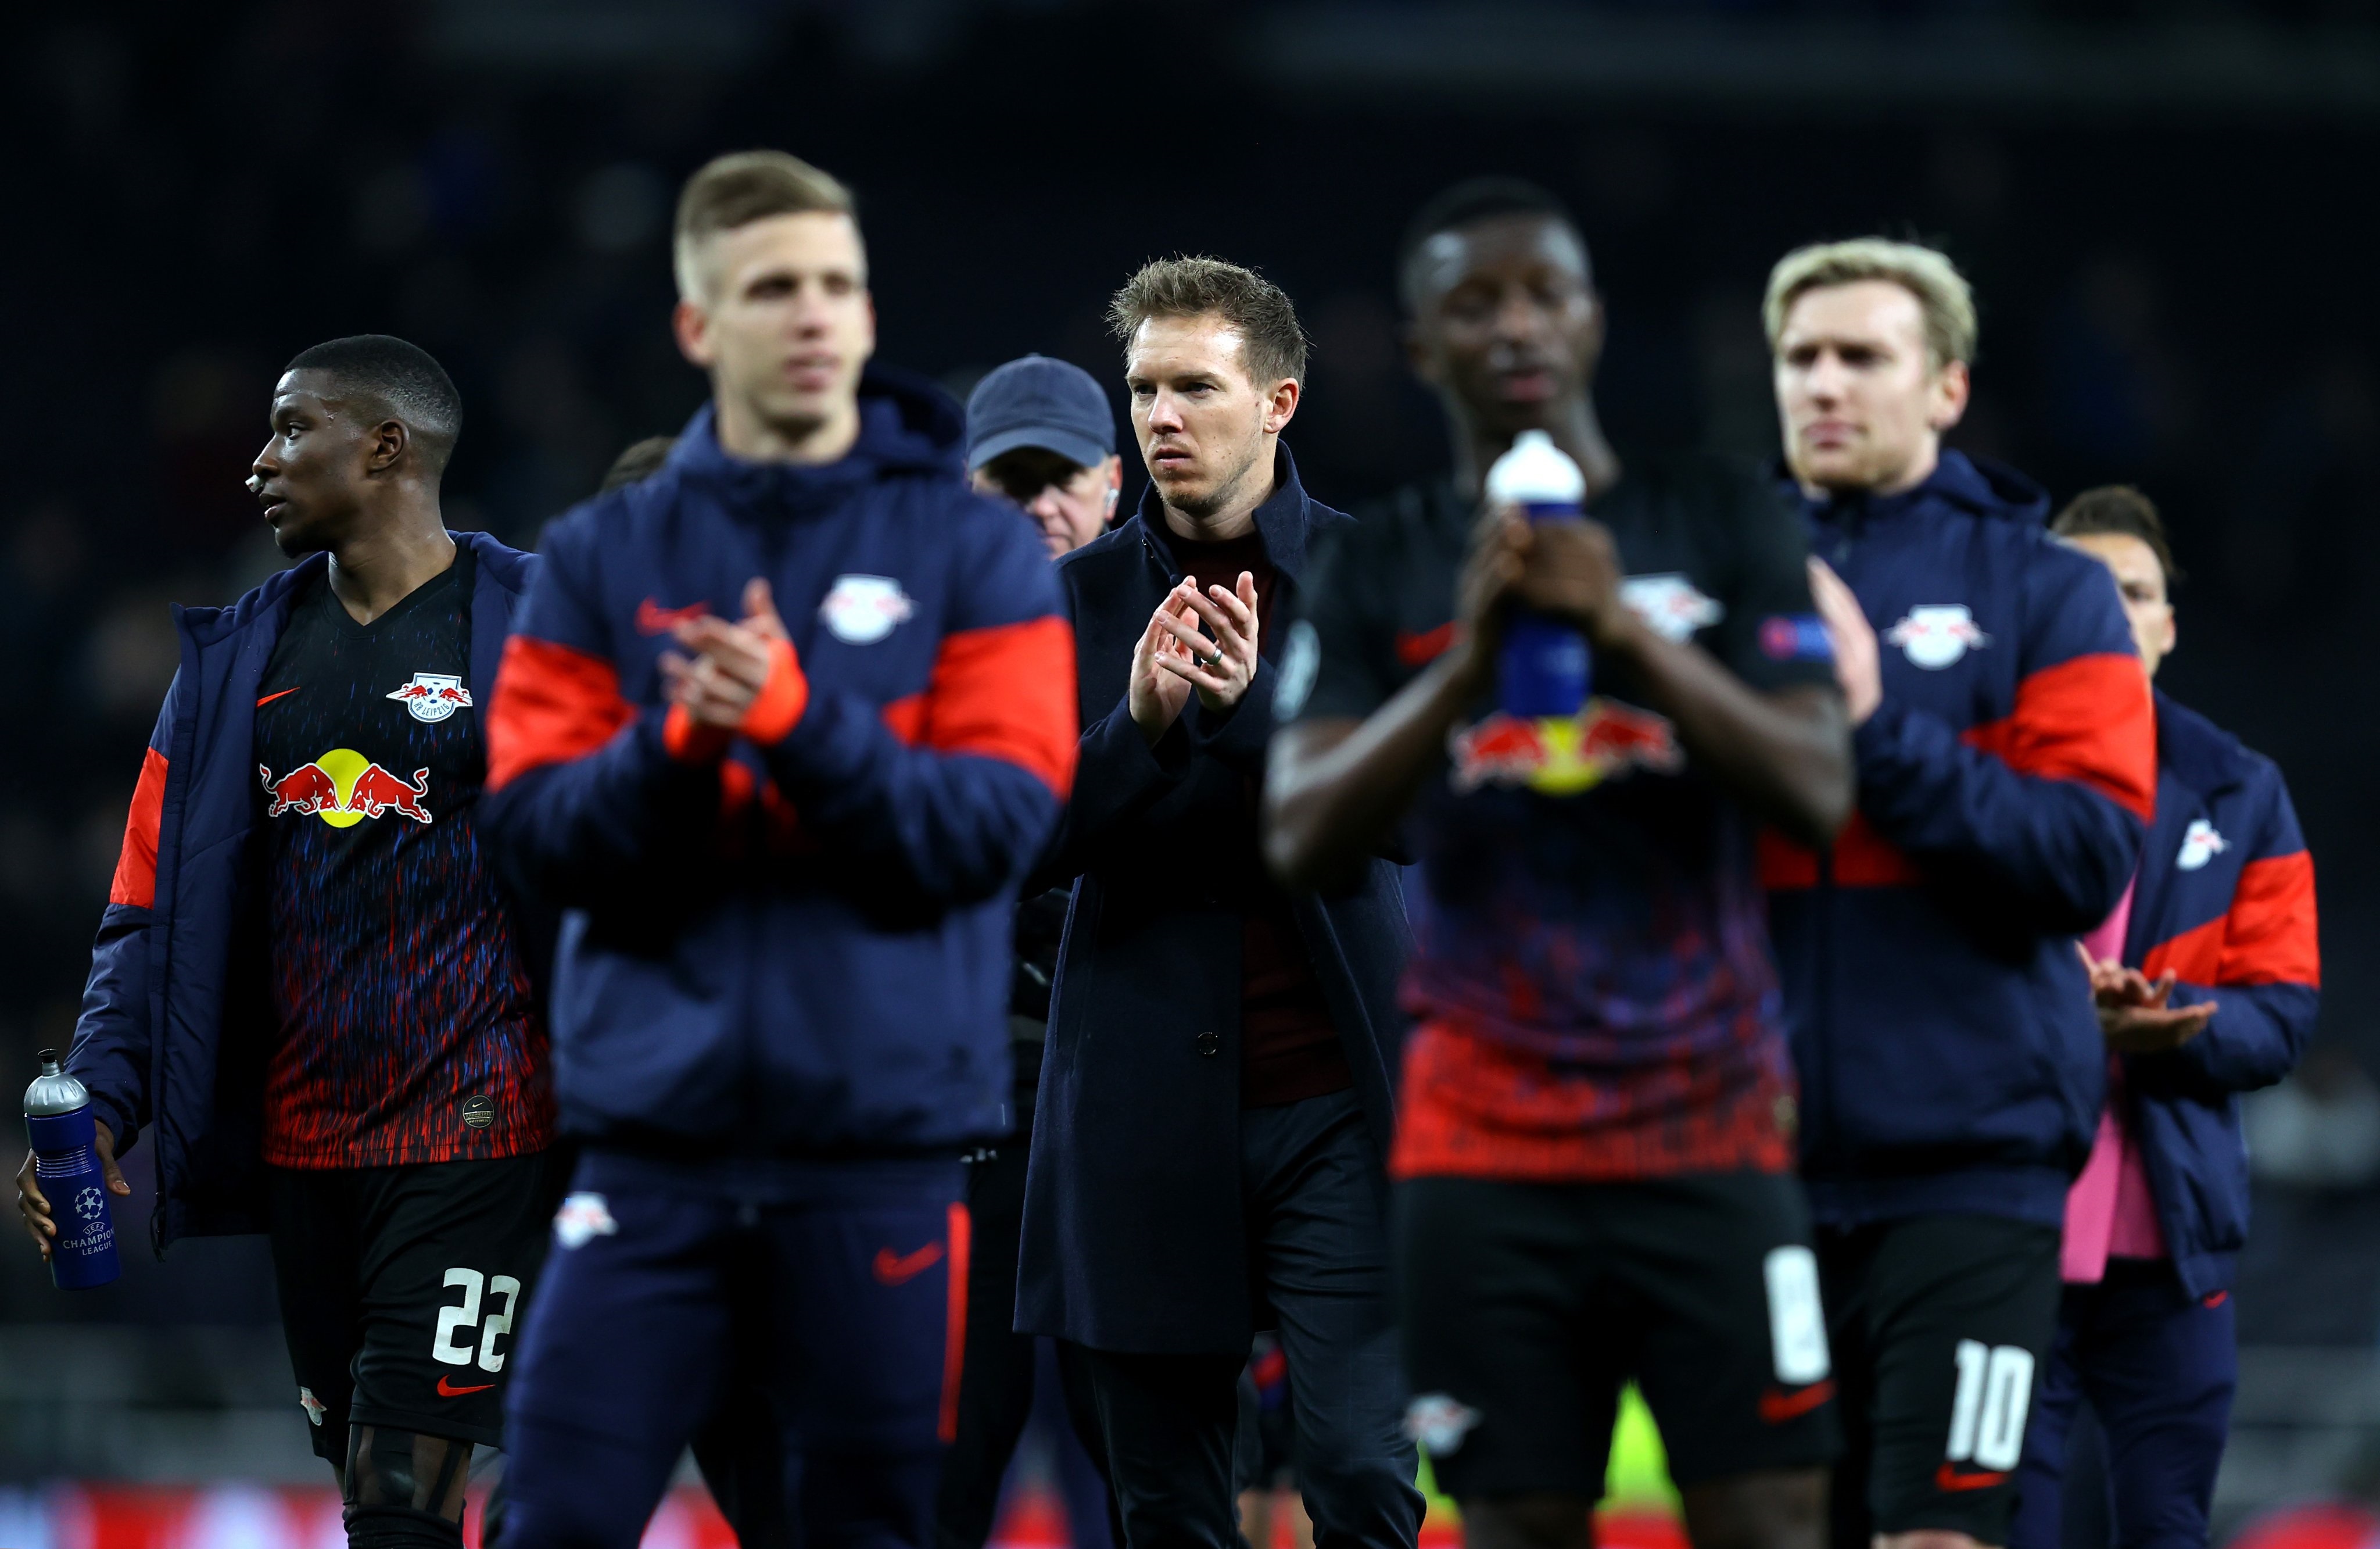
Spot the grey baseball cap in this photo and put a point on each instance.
(1039, 402)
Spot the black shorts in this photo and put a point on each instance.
(1528, 1306)
(400, 1287)
(1941, 1326)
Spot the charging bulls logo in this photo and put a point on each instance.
(1671, 605)
(343, 787)
(2200, 844)
(1563, 755)
(433, 696)
(584, 1217)
(861, 610)
(1933, 635)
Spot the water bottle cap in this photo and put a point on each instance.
(1535, 472)
(54, 1091)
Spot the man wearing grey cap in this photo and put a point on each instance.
(1038, 433)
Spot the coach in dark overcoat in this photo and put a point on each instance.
(1163, 1217)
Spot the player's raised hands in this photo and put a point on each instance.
(2133, 1015)
(1220, 668)
(1571, 569)
(731, 663)
(1485, 588)
(1158, 691)
(1853, 638)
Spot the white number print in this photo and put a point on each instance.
(1987, 1413)
(1797, 1324)
(454, 1319)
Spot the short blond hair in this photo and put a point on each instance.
(740, 188)
(1944, 299)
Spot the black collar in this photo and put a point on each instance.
(1282, 521)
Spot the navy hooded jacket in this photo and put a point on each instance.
(797, 945)
(167, 1038)
(1941, 1020)
(1134, 1235)
(2225, 900)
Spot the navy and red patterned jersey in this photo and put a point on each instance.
(406, 1027)
(1591, 972)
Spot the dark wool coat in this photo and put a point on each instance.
(1134, 1231)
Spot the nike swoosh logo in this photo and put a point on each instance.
(1419, 651)
(446, 1389)
(2217, 1299)
(282, 695)
(654, 619)
(892, 1269)
(1948, 1478)
(1777, 1406)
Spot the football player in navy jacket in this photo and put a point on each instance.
(309, 989)
(1952, 1068)
(2211, 973)
(780, 728)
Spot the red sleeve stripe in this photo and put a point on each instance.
(2274, 937)
(2270, 936)
(906, 718)
(136, 863)
(2196, 956)
(1863, 857)
(1005, 693)
(2089, 719)
(552, 704)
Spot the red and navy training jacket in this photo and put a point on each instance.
(2225, 901)
(1941, 1021)
(795, 944)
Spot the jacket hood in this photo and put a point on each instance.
(1981, 487)
(2201, 754)
(907, 426)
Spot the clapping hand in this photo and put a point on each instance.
(1220, 668)
(2133, 1016)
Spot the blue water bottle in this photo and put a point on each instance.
(66, 1162)
(1543, 667)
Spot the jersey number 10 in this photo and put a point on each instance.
(1987, 1413)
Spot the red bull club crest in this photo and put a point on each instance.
(1937, 634)
(343, 787)
(1563, 755)
(433, 696)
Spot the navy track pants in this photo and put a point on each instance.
(828, 1284)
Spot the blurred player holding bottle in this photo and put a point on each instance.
(1594, 1153)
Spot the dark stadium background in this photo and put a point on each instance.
(2167, 209)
